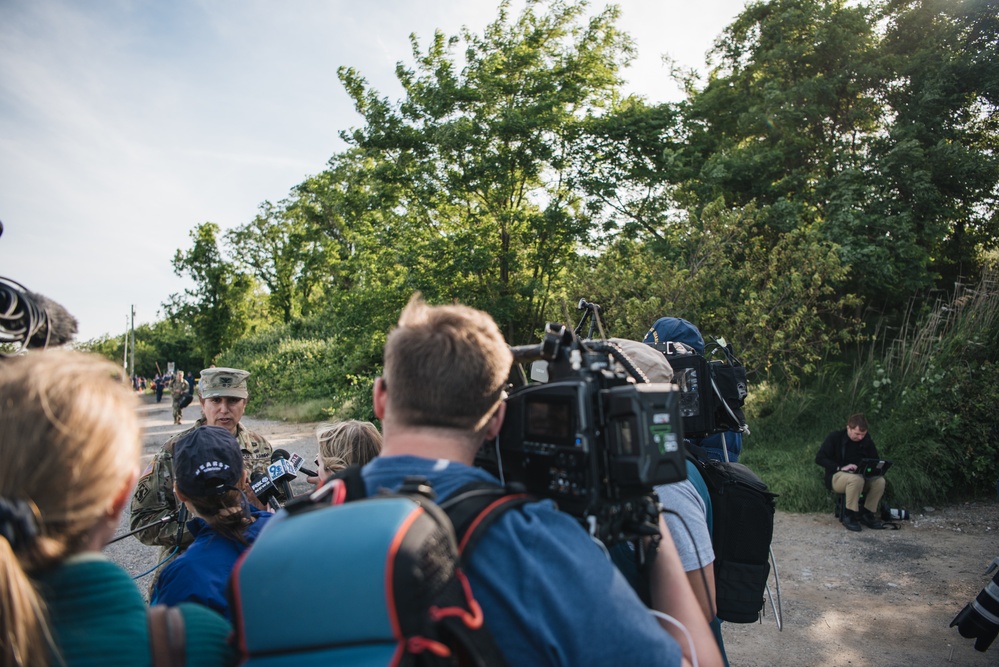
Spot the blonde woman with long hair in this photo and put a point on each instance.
(342, 444)
(69, 447)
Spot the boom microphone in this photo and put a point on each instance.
(30, 319)
(33, 320)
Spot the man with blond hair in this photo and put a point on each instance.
(549, 593)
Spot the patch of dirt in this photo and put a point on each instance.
(874, 598)
(877, 597)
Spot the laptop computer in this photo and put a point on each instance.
(873, 467)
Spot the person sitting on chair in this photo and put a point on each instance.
(840, 455)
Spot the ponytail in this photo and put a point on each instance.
(228, 514)
(22, 610)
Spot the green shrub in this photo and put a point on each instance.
(930, 395)
(308, 378)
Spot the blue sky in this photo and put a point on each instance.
(124, 124)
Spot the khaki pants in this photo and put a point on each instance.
(853, 485)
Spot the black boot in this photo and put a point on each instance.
(868, 518)
(850, 520)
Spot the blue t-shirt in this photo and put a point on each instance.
(549, 593)
(201, 574)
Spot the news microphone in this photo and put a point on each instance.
(264, 489)
(281, 472)
(182, 523)
(297, 461)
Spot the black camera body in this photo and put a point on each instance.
(590, 439)
(712, 391)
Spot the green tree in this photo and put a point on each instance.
(632, 162)
(155, 344)
(287, 254)
(721, 272)
(481, 154)
(939, 160)
(356, 207)
(884, 139)
(218, 307)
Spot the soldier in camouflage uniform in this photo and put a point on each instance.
(178, 387)
(223, 395)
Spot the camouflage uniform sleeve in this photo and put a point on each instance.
(153, 499)
(257, 454)
(256, 450)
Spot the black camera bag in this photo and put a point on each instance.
(743, 509)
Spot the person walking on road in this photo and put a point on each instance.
(178, 389)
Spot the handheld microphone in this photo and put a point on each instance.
(281, 472)
(182, 523)
(297, 461)
(263, 487)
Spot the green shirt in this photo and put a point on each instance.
(98, 617)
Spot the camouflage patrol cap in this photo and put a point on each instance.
(223, 382)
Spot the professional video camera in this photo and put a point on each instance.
(596, 437)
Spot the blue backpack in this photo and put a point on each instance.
(339, 578)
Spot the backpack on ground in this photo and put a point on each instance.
(341, 578)
(743, 509)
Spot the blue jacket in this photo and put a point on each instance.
(550, 596)
(201, 574)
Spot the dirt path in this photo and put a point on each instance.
(874, 598)
(880, 598)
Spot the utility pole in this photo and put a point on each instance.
(133, 340)
(124, 357)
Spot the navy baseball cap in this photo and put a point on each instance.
(207, 462)
(676, 330)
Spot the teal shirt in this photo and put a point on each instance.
(98, 617)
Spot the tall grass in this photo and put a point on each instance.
(931, 393)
